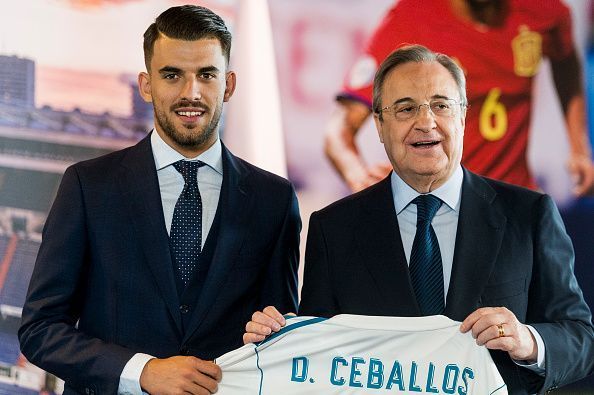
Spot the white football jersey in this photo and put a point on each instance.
(353, 354)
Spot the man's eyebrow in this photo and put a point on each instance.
(177, 70)
(209, 69)
(411, 100)
(442, 97)
(402, 100)
(169, 69)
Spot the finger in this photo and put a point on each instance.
(272, 312)
(579, 179)
(501, 343)
(195, 388)
(206, 382)
(200, 383)
(488, 322)
(585, 183)
(208, 368)
(258, 329)
(252, 338)
(492, 332)
(269, 321)
(473, 317)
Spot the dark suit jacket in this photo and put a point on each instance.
(105, 263)
(511, 250)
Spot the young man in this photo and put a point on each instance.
(150, 264)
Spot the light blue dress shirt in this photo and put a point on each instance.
(445, 222)
(445, 225)
(171, 184)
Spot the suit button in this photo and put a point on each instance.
(184, 309)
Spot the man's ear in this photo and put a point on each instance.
(230, 81)
(144, 86)
(379, 126)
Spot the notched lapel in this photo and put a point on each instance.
(235, 209)
(383, 245)
(140, 188)
(478, 240)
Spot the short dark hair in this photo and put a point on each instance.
(187, 22)
(416, 54)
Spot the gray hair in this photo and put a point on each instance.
(416, 54)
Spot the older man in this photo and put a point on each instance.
(434, 238)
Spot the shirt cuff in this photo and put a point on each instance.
(538, 367)
(130, 377)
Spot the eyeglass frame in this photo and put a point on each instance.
(418, 108)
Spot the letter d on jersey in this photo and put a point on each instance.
(299, 373)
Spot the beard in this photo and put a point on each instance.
(191, 136)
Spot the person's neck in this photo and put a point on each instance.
(489, 12)
(424, 184)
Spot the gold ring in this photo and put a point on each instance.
(501, 330)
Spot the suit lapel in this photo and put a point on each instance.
(234, 205)
(380, 248)
(140, 188)
(478, 239)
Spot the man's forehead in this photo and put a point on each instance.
(420, 81)
(172, 52)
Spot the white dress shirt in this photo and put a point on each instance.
(171, 184)
(445, 225)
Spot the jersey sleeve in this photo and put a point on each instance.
(561, 44)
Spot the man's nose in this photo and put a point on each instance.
(192, 90)
(425, 118)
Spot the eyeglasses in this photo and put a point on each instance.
(404, 111)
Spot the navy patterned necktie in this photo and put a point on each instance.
(186, 228)
(425, 267)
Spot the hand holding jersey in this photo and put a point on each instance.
(180, 374)
(497, 328)
(354, 354)
(484, 324)
(263, 324)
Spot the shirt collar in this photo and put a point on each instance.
(165, 155)
(449, 193)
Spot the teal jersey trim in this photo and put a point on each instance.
(503, 386)
(291, 327)
(284, 330)
(260, 369)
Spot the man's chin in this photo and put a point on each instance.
(189, 126)
(196, 139)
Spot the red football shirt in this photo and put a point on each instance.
(499, 64)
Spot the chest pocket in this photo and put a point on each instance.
(504, 290)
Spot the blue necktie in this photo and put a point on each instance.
(186, 226)
(425, 267)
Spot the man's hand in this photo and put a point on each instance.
(263, 323)
(180, 375)
(497, 328)
(582, 174)
(359, 178)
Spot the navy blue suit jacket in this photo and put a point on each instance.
(511, 250)
(103, 286)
